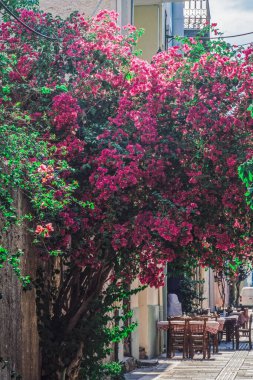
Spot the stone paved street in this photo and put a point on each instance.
(227, 365)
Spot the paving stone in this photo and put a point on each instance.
(226, 365)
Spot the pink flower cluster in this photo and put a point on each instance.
(47, 172)
(65, 109)
(44, 231)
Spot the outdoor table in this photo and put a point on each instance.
(211, 326)
(242, 318)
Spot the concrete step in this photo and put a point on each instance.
(147, 362)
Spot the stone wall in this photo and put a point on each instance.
(65, 7)
(19, 342)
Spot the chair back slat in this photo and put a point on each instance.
(250, 321)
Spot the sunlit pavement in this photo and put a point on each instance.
(228, 364)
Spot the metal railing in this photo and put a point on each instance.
(196, 14)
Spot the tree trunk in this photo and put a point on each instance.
(65, 372)
(237, 293)
(61, 317)
(73, 369)
(19, 342)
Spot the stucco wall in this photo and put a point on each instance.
(65, 7)
(148, 313)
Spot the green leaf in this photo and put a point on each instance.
(62, 87)
(250, 109)
(6, 90)
(45, 90)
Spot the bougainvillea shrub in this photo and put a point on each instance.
(128, 166)
(212, 128)
(56, 98)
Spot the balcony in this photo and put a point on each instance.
(196, 14)
(152, 2)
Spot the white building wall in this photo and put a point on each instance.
(149, 316)
(63, 8)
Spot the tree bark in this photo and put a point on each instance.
(19, 343)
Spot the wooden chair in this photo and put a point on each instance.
(246, 317)
(244, 332)
(198, 337)
(178, 336)
(231, 327)
(214, 338)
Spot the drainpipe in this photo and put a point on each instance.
(165, 305)
(165, 294)
(132, 12)
(209, 288)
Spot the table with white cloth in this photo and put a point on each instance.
(211, 326)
